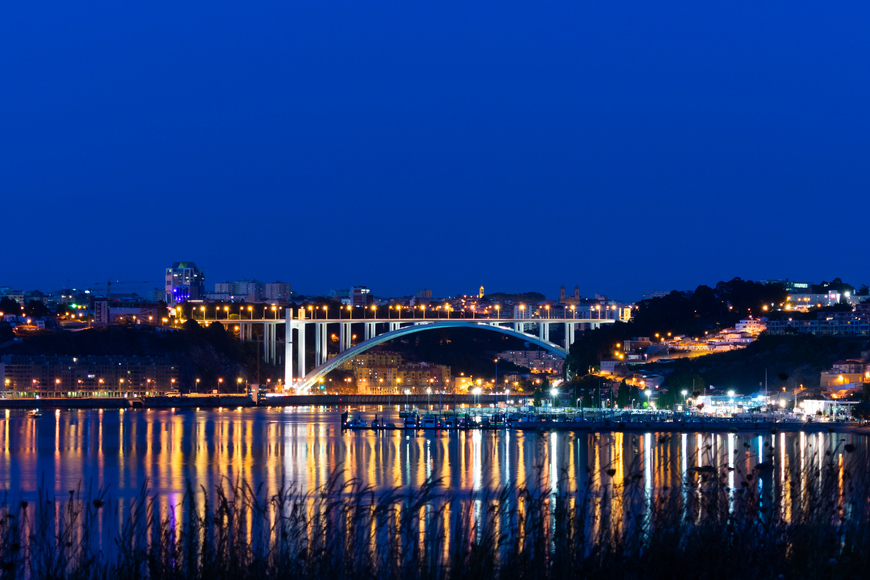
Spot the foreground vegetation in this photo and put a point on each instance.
(816, 526)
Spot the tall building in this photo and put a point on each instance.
(278, 291)
(184, 281)
(248, 290)
(361, 296)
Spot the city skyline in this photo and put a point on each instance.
(212, 286)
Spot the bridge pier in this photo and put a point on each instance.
(274, 350)
(300, 350)
(288, 347)
(318, 343)
(266, 343)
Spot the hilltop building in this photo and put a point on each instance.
(569, 300)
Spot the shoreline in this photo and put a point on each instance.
(712, 425)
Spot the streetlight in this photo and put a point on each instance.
(684, 393)
(220, 382)
(648, 393)
(239, 384)
(497, 308)
(197, 385)
(554, 392)
(428, 393)
(407, 392)
(477, 391)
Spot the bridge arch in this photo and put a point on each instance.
(313, 377)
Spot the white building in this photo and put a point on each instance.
(751, 325)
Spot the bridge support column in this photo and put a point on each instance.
(341, 336)
(541, 330)
(324, 348)
(267, 341)
(274, 352)
(318, 343)
(288, 348)
(300, 344)
(567, 336)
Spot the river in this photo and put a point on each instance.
(120, 451)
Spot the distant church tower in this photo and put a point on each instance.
(562, 293)
(481, 292)
(577, 293)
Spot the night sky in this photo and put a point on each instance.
(623, 146)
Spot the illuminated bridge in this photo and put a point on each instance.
(375, 331)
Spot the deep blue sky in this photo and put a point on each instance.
(624, 146)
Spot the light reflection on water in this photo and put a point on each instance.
(121, 450)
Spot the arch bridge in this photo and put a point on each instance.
(535, 330)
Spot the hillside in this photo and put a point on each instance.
(791, 361)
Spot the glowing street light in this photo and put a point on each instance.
(555, 393)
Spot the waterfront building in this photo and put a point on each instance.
(183, 282)
(385, 371)
(87, 376)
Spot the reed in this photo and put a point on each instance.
(813, 524)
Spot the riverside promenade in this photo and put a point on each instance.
(544, 419)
